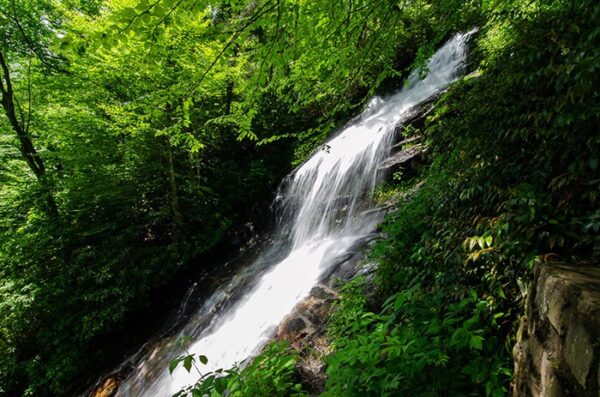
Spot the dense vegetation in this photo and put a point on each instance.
(139, 134)
(513, 182)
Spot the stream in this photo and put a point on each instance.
(323, 210)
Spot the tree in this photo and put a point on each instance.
(26, 28)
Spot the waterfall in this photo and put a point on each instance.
(323, 212)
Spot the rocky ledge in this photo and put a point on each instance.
(304, 328)
(557, 351)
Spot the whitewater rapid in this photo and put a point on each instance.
(324, 210)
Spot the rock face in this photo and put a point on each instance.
(308, 316)
(406, 153)
(304, 328)
(557, 351)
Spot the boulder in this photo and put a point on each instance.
(557, 351)
(304, 328)
(308, 317)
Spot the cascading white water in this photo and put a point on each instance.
(323, 213)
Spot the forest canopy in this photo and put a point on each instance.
(136, 135)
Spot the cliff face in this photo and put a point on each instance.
(557, 351)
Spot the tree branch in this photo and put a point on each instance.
(27, 150)
(26, 126)
(146, 11)
(262, 11)
(263, 61)
(375, 39)
(30, 44)
(167, 15)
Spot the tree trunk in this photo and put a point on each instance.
(21, 128)
(174, 201)
(228, 97)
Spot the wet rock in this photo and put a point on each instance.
(415, 117)
(304, 328)
(406, 141)
(308, 317)
(293, 327)
(401, 158)
(108, 388)
(312, 368)
(323, 293)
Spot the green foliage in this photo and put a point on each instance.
(348, 312)
(271, 373)
(419, 345)
(146, 115)
(512, 182)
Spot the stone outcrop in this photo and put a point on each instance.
(407, 152)
(304, 328)
(306, 321)
(401, 158)
(557, 351)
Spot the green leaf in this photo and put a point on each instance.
(489, 240)
(593, 163)
(220, 385)
(196, 393)
(187, 362)
(481, 242)
(173, 364)
(476, 342)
